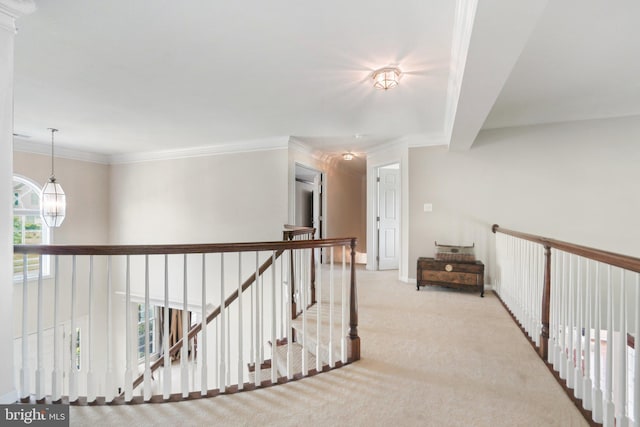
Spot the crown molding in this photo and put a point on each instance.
(10, 10)
(266, 144)
(31, 147)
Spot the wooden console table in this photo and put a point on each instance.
(458, 275)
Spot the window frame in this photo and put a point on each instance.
(45, 231)
(154, 350)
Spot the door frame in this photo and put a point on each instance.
(320, 190)
(375, 213)
(398, 241)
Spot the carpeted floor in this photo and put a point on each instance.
(429, 358)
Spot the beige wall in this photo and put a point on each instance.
(575, 182)
(346, 204)
(212, 199)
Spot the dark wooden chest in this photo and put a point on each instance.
(458, 275)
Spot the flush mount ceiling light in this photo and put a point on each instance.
(348, 156)
(386, 78)
(53, 203)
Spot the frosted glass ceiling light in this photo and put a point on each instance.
(53, 202)
(347, 156)
(386, 78)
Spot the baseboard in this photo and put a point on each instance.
(8, 398)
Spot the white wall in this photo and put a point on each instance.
(575, 182)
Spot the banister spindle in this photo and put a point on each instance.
(636, 360)
(56, 382)
(562, 372)
(128, 373)
(621, 381)
(184, 357)
(571, 367)
(109, 392)
(274, 316)
(73, 366)
(587, 316)
(24, 370)
(256, 347)
(203, 332)
(579, 381)
(344, 306)
(608, 406)
(331, 302)
(147, 357)
(318, 311)
(287, 316)
(240, 337)
(40, 393)
(91, 392)
(303, 299)
(222, 386)
(166, 375)
(597, 397)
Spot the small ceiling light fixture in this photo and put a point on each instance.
(348, 156)
(53, 202)
(386, 78)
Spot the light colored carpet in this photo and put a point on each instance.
(429, 358)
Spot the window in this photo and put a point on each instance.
(28, 228)
(141, 330)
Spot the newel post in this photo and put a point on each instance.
(354, 339)
(546, 300)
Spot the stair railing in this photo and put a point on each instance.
(581, 308)
(95, 335)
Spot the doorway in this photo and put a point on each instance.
(388, 217)
(309, 199)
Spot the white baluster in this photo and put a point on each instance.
(128, 373)
(331, 302)
(240, 358)
(147, 359)
(596, 414)
(287, 314)
(91, 392)
(343, 288)
(109, 392)
(562, 372)
(274, 343)
(608, 406)
(203, 333)
(40, 365)
(303, 298)
(24, 370)
(621, 405)
(184, 357)
(587, 386)
(636, 360)
(556, 292)
(318, 312)
(166, 375)
(55, 374)
(73, 367)
(579, 381)
(257, 361)
(571, 366)
(222, 377)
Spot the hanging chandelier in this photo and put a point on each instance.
(53, 203)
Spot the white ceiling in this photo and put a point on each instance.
(121, 76)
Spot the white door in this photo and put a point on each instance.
(389, 217)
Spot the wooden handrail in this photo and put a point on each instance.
(179, 249)
(618, 260)
(611, 258)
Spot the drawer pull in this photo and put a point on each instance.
(448, 267)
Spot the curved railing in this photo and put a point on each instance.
(90, 346)
(581, 308)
